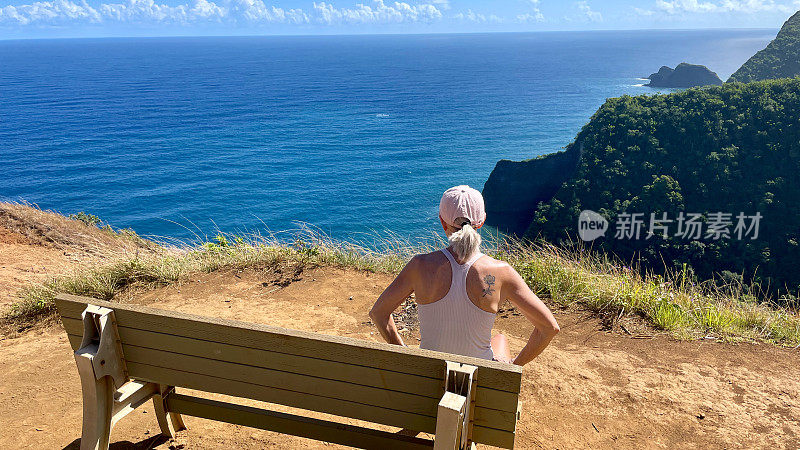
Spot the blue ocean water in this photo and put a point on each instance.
(353, 134)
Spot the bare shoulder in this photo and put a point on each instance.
(427, 261)
(500, 271)
(431, 274)
(487, 263)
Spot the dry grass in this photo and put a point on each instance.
(175, 264)
(673, 303)
(53, 229)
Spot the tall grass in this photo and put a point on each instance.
(671, 302)
(173, 264)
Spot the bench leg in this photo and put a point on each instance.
(450, 422)
(98, 401)
(169, 422)
(457, 403)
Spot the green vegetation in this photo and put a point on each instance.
(731, 149)
(88, 219)
(780, 59)
(672, 302)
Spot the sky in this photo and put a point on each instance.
(20, 19)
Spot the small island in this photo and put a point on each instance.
(684, 76)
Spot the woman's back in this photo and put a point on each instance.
(454, 324)
(457, 303)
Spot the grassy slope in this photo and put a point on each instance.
(672, 303)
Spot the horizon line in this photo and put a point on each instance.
(380, 34)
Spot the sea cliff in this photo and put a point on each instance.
(514, 188)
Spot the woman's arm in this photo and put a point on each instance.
(545, 326)
(390, 299)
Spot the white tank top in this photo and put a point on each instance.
(453, 324)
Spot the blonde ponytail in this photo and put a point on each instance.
(465, 242)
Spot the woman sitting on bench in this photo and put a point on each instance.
(459, 290)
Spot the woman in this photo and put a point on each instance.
(459, 290)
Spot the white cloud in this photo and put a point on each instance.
(530, 17)
(379, 13)
(56, 12)
(471, 16)
(63, 12)
(586, 12)
(147, 11)
(675, 7)
(254, 11)
(534, 16)
(444, 5)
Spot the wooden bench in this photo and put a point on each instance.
(127, 355)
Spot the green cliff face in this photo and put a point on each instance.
(514, 188)
(731, 149)
(684, 76)
(780, 59)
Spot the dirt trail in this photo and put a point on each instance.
(590, 389)
(22, 262)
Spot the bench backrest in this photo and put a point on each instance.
(375, 382)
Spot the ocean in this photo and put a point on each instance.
(355, 136)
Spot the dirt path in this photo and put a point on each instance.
(590, 389)
(22, 262)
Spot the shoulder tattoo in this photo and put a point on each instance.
(489, 289)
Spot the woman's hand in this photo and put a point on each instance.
(390, 299)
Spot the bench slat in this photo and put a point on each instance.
(368, 376)
(321, 387)
(217, 385)
(416, 361)
(322, 430)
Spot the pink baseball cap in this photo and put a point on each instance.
(462, 201)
